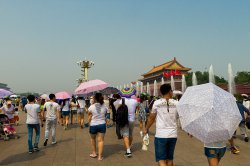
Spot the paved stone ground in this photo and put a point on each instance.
(73, 149)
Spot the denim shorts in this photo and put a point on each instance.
(74, 111)
(65, 113)
(80, 111)
(164, 148)
(214, 152)
(97, 129)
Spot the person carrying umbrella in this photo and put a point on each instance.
(165, 113)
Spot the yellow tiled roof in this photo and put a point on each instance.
(171, 65)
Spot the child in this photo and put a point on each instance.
(214, 152)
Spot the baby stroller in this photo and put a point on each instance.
(7, 131)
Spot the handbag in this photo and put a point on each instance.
(248, 122)
(147, 108)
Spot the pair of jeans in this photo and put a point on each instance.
(30, 135)
(51, 124)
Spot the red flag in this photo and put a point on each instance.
(166, 74)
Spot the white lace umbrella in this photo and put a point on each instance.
(45, 96)
(209, 113)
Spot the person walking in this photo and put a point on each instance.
(52, 117)
(97, 120)
(127, 131)
(214, 152)
(80, 111)
(73, 107)
(65, 113)
(142, 113)
(165, 113)
(242, 125)
(33, 122)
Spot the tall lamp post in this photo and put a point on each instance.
(85, 65)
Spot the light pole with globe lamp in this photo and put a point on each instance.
(85, 65)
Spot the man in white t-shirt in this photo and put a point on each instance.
(52, 117)
(33, 122)
(165, 112)
(127, 131)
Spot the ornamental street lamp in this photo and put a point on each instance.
(85, 65)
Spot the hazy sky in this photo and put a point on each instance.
(41, 41)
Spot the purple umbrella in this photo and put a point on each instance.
(4, 93)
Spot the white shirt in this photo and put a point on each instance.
(51, 110)
(32, 113)
(98, 114)
(7, 111)
(66, 106)
(131, 104)
(117, 103)
(166, 118)
(81, 103)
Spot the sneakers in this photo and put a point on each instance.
(246, 139)
(45, 142)
(36, 149)
(66, 127)
(54, 142)
(128, 154)
(234, 150)
(31, 151)
(141, 133)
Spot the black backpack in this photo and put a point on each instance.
(122, 114)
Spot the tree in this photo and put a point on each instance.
(242, 77)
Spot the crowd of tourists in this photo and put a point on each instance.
(121, 113)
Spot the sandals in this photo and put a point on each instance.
(100, 159)
(95, 156)
(92, 155)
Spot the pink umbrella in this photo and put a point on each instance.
(63, 95)
(91, 86)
